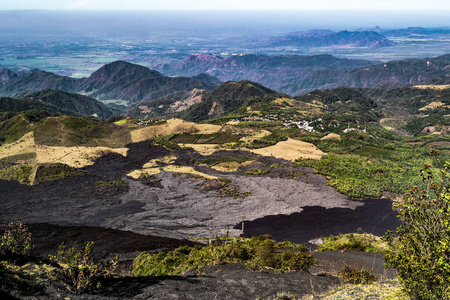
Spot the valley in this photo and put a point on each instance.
(223, 155)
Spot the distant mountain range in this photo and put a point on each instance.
(150, 93)
(326, 38)
(289, 74)
(115, 81)
(299, 74)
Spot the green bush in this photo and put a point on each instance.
(78, 270)
(255, 252)
(421, 254)
(16, 240)
(353, 276)
(164, 140)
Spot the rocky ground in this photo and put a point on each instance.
(298, 209)
(135, 215)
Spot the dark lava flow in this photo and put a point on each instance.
(375, 216)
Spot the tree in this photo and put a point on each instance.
(421, 245)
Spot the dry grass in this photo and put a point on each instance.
(255, 135)
(22, 146)
(391, 290)
(74, 156)
(170, 168)
(231, 166)
(331, 136)
(172, 126)
(291, 150)
(434, 87)
(433, 105)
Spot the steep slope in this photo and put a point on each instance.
(126, 81)
(37, 80)
(78, 104)
(226, 98)
(6, 75)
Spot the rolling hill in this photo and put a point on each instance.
(115, 81)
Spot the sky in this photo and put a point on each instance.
(381, 5)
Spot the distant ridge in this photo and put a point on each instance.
(57, 102)
(226, 98)
(115, 81)
(368, 39)
(281, 73)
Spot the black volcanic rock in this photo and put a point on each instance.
(227, 97)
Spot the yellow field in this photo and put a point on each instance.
(291, 150)
(22, 146)
(74, 156)
(171, 168)
(433, 105)
(434, 87)
(172, 126)
(331, 136)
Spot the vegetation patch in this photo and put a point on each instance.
(421, 253)
(354, 241)
(253, 253)
(362, 177)
(51, 172)
(257, 171)
(354, 276)
(20, 173)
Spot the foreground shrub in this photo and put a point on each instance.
(16, 240)
(78, 270)
(422, 253)
(257, 252)
(353, 276)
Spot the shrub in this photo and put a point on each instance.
(255, 252)
(257, 171)
(16, 240)
(353, 276)
(78, 271)
(164, 140)
(422, 252)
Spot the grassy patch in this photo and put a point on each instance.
(20, 173)
(255, 252)
(354, 241)
(257, 171)
(362, 177)
(51, 172)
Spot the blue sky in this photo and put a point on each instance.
(395, 5)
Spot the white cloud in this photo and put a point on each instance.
(82, 4)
